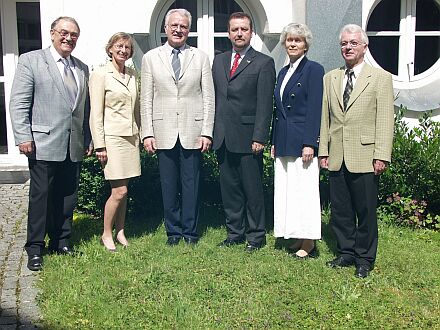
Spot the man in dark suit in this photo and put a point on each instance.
(244, 80)
(356, 141)
(49, 112)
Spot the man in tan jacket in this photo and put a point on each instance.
(177, 119)
(355, 145)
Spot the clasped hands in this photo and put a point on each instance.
(150, 144)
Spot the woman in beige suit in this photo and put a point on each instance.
(114, 123)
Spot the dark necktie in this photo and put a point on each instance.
(175, 63)
(348, 87)
(235, 64)
(69, 81)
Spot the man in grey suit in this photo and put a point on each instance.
(177, 119)
(244, 81)
(49, 112)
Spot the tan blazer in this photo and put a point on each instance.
(171, 109)
(114, 104)
(365, 131)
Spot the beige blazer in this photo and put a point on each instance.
(170, 108)
(365, 131)
(114, 104)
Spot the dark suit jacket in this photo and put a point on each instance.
(297, 114)
(244, 102)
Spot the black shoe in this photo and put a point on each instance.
(191, 241)
(362, 271)
(35, 262)
(65, 251)
(340, 262)
(252, 247)
(229, 242)
(173, 240)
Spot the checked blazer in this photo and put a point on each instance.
(173, 109)
(363, 132)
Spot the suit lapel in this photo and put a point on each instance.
(227, 63)
(52, 68)
(164, 57)
(187, 58)
(337, 80)
(361, 83)
(294, 78)
(278, 101)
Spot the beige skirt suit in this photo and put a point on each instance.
(114, 120)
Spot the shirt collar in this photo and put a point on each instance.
(242, 53)
(293, 66)
(169, 49)
(357, 69)
(56, 56)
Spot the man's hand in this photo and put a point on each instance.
(307, 154)
(205, 143)
(150, 145)
(257, 147)
(379, 166)
(26, 148)
(323, 162)
(272, 152)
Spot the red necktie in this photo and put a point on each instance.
(235, 64)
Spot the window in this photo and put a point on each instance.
(209, 23)
(405, 37)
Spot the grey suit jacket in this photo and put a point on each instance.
(170, 108)
(41, 112)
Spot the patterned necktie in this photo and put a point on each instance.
(235, 64)
(348, 87)
(69, 81)
(175, 63)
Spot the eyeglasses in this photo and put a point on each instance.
(65, 34)
(175, 27)
(121, 46)
(353, 44)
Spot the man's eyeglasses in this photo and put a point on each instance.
(353, 44)
(175, 27)
(65, 34)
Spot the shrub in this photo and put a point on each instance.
(415, 168)
(408, 212)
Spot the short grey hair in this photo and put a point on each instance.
(64, 18)
(353, 28)
(297, 29)
(181, 12)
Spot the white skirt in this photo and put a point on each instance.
(297, 208)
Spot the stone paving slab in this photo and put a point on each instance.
(18, 285)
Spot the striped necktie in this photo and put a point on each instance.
(175, 63)
(348, 87)
(69, 81)
(235, 64)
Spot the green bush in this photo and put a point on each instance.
(414, 171)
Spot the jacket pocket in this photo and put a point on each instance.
(41, 128)
(367, 139)
(157, 115)
(248, 120)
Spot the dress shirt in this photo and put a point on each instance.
(356, 72)
(181, 55)
(60, 65)
(289, 74)
(242, 54)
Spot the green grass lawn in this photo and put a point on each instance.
(153, 286)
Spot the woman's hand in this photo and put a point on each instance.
(101, 154)
(307, 154)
